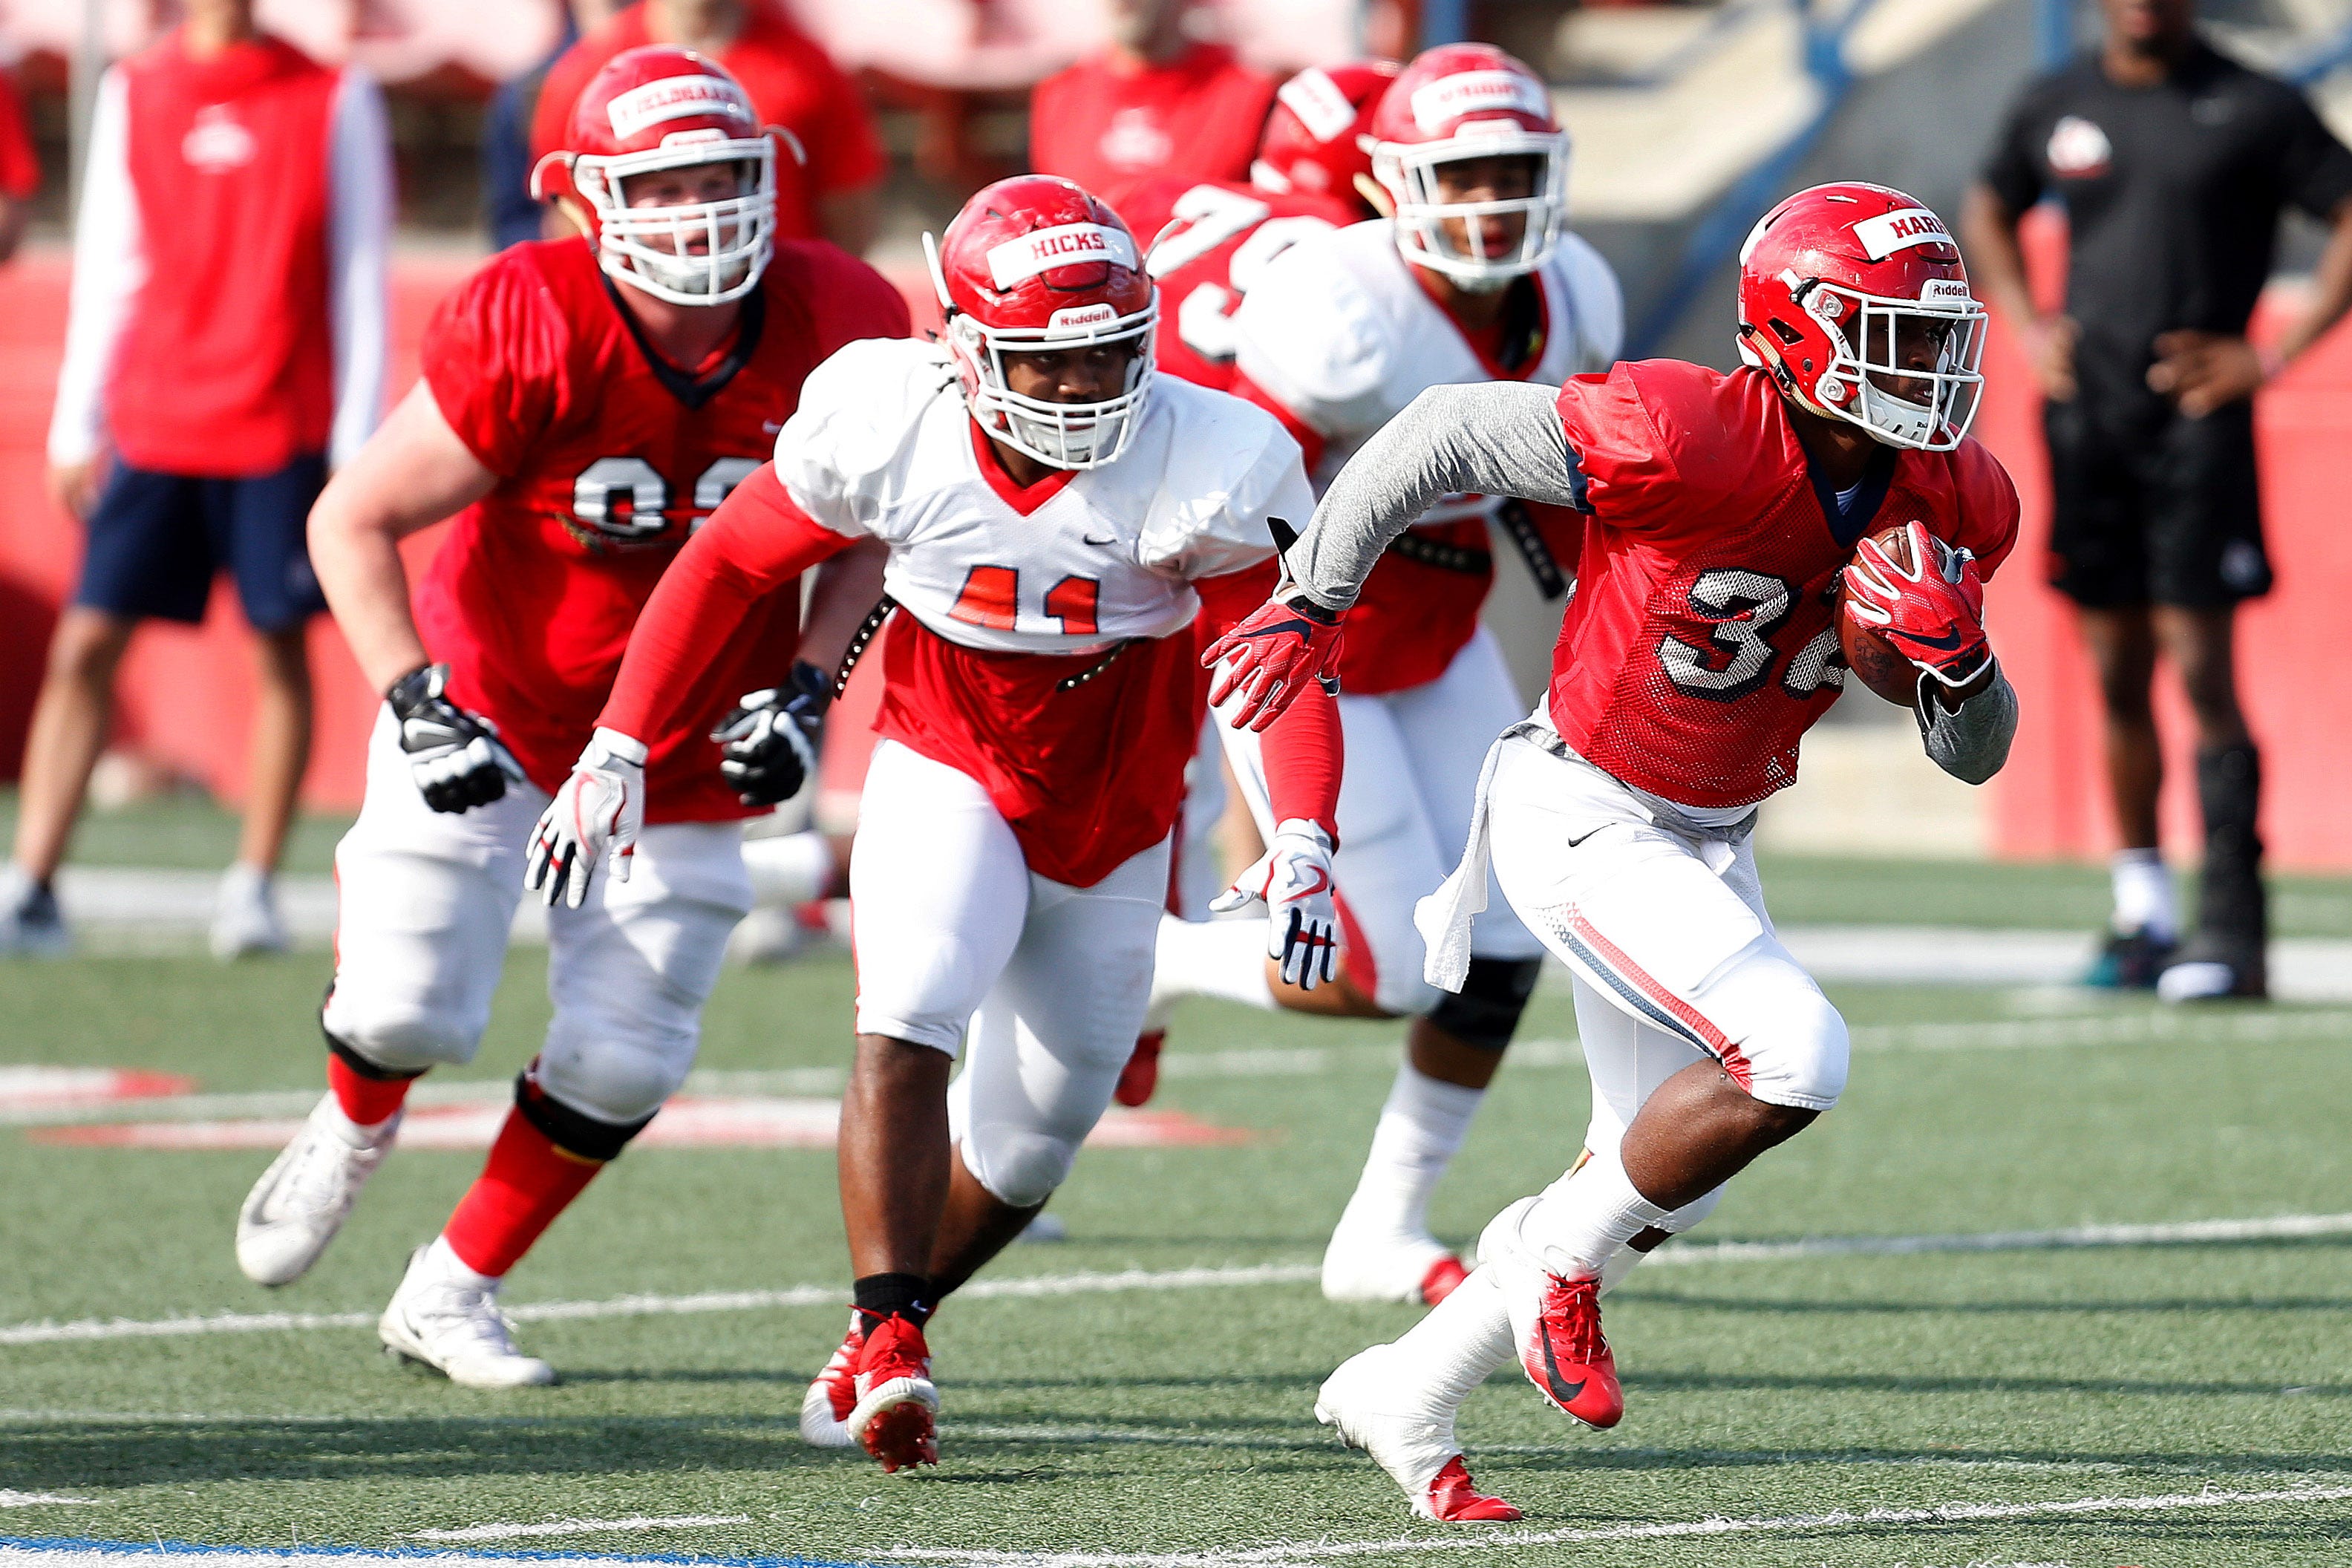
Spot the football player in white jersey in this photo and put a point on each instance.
(1057, 519)
(1471, 278)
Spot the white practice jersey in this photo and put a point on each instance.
(1339, 331)
(883, 447)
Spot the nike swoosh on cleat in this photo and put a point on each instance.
(1559, 1388)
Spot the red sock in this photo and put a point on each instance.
(366, 1100)
(527, 1182)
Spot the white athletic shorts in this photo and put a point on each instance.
(957, 941)
(1673, 957)
(1405, 799)
(427, 898)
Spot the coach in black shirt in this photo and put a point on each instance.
(2174, 164)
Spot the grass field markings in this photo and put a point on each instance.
(579, 1527)
(1301, 1554)
(42, 1500)
(69, 1552)
(2278, 1228)
(2268, 1026)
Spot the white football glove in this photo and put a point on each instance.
(1294, 878)
(599, 811)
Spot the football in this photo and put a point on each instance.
(1872, 659)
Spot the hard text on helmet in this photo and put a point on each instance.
(1066, 245)
(675, 98)
(1319, 104)
(1437, 104)
(1883, 236)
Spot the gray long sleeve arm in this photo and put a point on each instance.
(1491, 438)
(1970, 742)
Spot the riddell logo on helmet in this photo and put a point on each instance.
(1437, 104)
(1883, 236)
(1319, 104)
(1069, 245)
(641, 108)
(1071, 318)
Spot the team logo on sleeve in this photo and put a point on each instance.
(2079, 150)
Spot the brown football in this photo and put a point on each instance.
(1872, 659)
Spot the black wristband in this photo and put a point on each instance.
(1302, 605)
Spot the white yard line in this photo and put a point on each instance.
(42, 1500)
(2279, 1227)
(1484, 1541)
(579, 1527)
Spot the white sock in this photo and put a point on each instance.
(1583, 1220)
(443, 1259)
(1421, 1129)
(2143, 887)
(1462, 1340)
(789, 870)
(1675, 1223)
(1226, 959)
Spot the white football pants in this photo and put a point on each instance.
(1411, 777)
(1673, 957)
(951, 928)
(427, 898)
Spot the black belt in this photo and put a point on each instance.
(1518, 526)
(872, 624)
(1462, 558)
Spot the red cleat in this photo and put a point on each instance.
(1444, 1278)
(1139, 1080)
(896, 1418)
(1454, 1499)
(825, 1408)
(1566, 1357)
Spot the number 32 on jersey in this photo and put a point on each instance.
(1747, 608)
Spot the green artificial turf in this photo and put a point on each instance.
(1154, 1421)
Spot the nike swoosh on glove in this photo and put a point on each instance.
(1933, 615)
(455, 757)
(1294, 878)
(1270, 655)
(598, 812)
(767, 744)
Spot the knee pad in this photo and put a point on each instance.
(1486, 1012)
(1019, 1167)
(615, 1078)
(574, 1131)
(1801, 1060)
(383, 1040)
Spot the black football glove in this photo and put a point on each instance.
(767, 744)
(455, 757)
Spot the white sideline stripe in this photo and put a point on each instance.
(2280, 1227)
(42, 1500)
(1490, 1541)
(579, 1527)
(2273, 1027)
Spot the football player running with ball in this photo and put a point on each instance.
(586, 404)
(1721, 514)
(1472, 278)
(1056, 517)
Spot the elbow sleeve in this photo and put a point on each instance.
(1972, 742)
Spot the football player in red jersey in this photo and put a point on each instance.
(586, 404)
(1721, 513)
(1057, 516)
(1471, 278)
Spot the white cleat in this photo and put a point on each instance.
(1409, 1433)
(245, 915)
(302, 1200)
(1365, 1264)
(455, 1327)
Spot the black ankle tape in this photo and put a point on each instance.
(573, 1131)
(908, 1296)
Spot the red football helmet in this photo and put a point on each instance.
(1035, 265)
(1317, 140)
(1844, 291)
(1459, 101)
(656, 109)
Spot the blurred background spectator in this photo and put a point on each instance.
(20, 171)
(1159, 102)
(831, 194)
(507, 207)
(226, 343)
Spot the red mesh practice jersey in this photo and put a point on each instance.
(1701, 644)
(608, 462)
(1110, 129)
(1209, 243)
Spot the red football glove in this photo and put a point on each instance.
(1270, 655)
(1933, 615)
